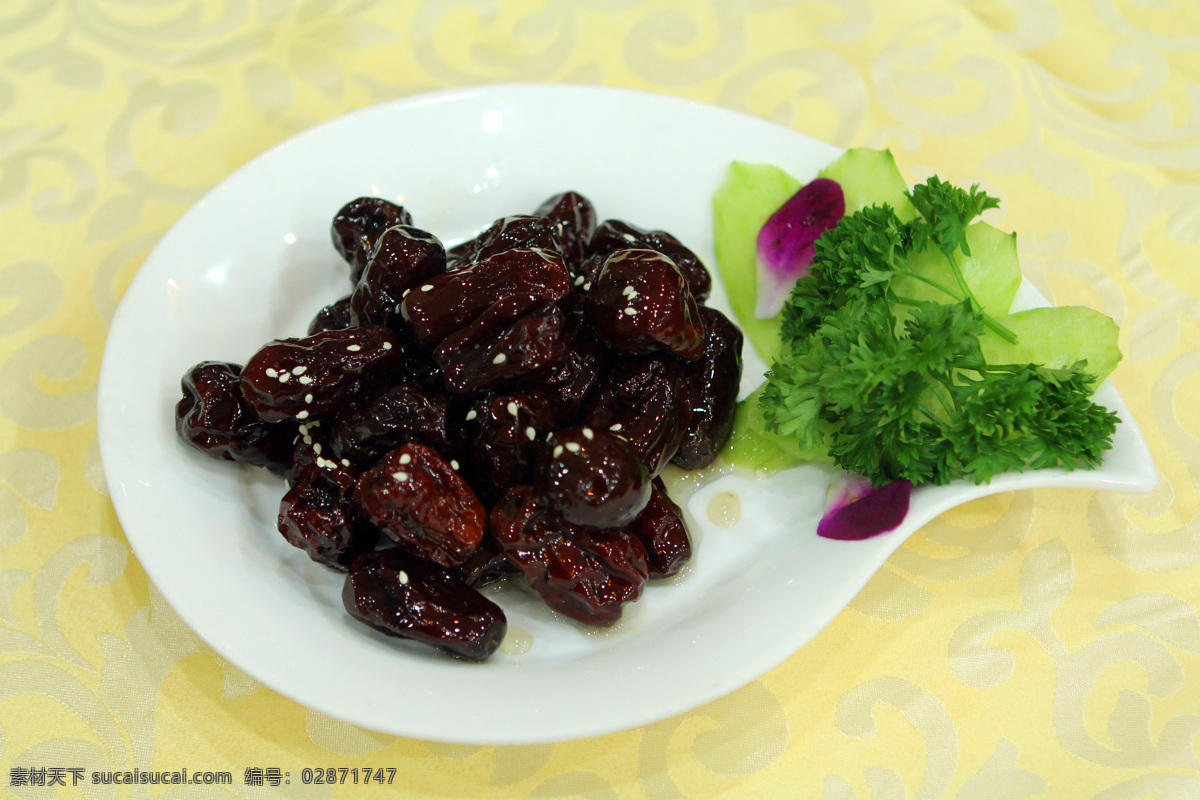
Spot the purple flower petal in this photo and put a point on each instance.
(785, 242)
(860, 513)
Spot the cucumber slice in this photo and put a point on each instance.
(1057, 337)
(870, 177)
(753, 447)
(749, 194)
(993, 271)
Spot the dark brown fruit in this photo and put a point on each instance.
(506, 433)
(449, 302)
(614, 235)
(713, 384)
(403, 258)
(333, 317)
(589, 575)
(514, 341)
(359, 224)
(662, 532)
(645, 401)
(418, 500)
(521, 231)
(318, 515)
(592, 478)
(575, 218)
(215, 418)
(312, 378)
(408, 412)
(640, 303)
(400, 595)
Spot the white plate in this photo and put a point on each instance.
(253, 261)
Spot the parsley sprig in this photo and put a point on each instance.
(896, 388)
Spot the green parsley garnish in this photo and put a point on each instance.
(897, 388)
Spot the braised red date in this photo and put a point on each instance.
(521, 231)
(614, 235)
(358, 225)
(588, 575)
(215, 418)
(419, 500)
(448, 302)
(400, 414)
(713, 383)
(333, 317)
(401, 595)
(404, 257)
(506, 433)
(640, 303)
(645, 401)
(591, 477)
(312, 378)
(662, 532)
(318, 515)
(575, 218)
(516, 339)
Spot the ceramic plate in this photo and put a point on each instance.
(252, 261)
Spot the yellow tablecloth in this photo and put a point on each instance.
(1037, 644)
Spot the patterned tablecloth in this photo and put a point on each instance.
(1033, 644)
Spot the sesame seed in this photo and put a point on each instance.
(403, 577)
(406, 291)
(578, 280)
(629, 237)
(587, 433)
(405, 458)
(558, 451)
(300, 370)
(453, 464)
(512, 408)
(302, 414)
(427, 287)
(500, 358)
(306, 380)
(530, 433)
(317, 448)
(284, 377)
(272, 373)
(345, 462)
(400, 476)
(587, 286)
(630, 312)
(354, 348)
(628, 291)
(303, 429)
(387, 345)
(616, 426)
(573, 446)
(471, 415)
(307, 439)
(308, 398)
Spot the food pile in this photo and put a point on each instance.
(502, 407)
